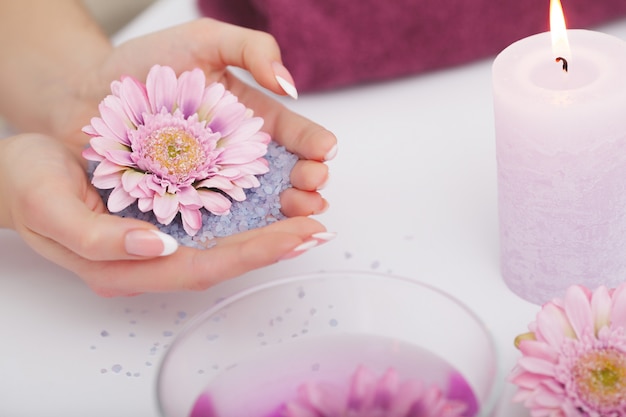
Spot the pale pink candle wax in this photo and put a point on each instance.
(561, 153)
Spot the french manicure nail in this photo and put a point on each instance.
(284, 78)
(300, 249)
(150, 243)
(323, 237)
(315, 240)
(331, 153)
(324, 184)
(323, 209)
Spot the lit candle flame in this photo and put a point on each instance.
(558, 31)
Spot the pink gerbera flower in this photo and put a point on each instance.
(574, 358)
(369, 396)
(175, 145)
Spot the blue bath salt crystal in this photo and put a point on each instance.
(260, 208)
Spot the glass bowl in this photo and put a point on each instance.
(295, 339)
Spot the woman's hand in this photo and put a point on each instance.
(56, 76)
(46, 197)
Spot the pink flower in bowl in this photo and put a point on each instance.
(369, 396)
(175, 145)
(573, 359)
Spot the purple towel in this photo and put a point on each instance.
(334, 43)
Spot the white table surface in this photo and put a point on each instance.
(412, 192)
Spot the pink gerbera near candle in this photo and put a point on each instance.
(175, 145)
(574, 357)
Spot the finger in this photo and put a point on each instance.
(298, 134)
(214, 45)
(301, 226)
(309, 175)
(233, 256)
(95, 235)
(296, 202)
(255, 51)
(193, 269)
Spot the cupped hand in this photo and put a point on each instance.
(48, 200)
(213, 46)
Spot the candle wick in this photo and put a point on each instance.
(561, 59)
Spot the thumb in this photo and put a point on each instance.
(99, 236)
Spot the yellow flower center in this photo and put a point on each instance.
(600, 377)
(175, 150)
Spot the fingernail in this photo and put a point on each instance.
(323, 237)
(323, 209)
(315, 240)
(150, 243)
(324, 184)
(331, 153)
(285, 79)
(300, 249)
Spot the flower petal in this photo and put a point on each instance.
(601, 308)
(107, 167)
(131, 179)
(190, 91)
(249, 181)
(107, 175)
(225, 185)
(242, 153)
(618, 309)
(89, 130)
(326, 400)
(100, 127)
(120, 157)
(188, 196)
(547, 399)
(165, 207)
(211, 96)
(119, 199)
(192, 220)
(107, 181)
(257, 167)
(386, 389)
(539, 350)
(528, 380)
(145, 204)
(214, 202)
(217, 181)
(578, 310)
(298, 410)
(134, 99)
(113, 115)
(536, 365)
(409, 393)
(552, 325)
(249, 128)
(227, 115)
(101, 144)
(236, 193)
(361, 388)
(91, 155)
(161, 86)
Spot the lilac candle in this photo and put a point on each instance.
(561, 153)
